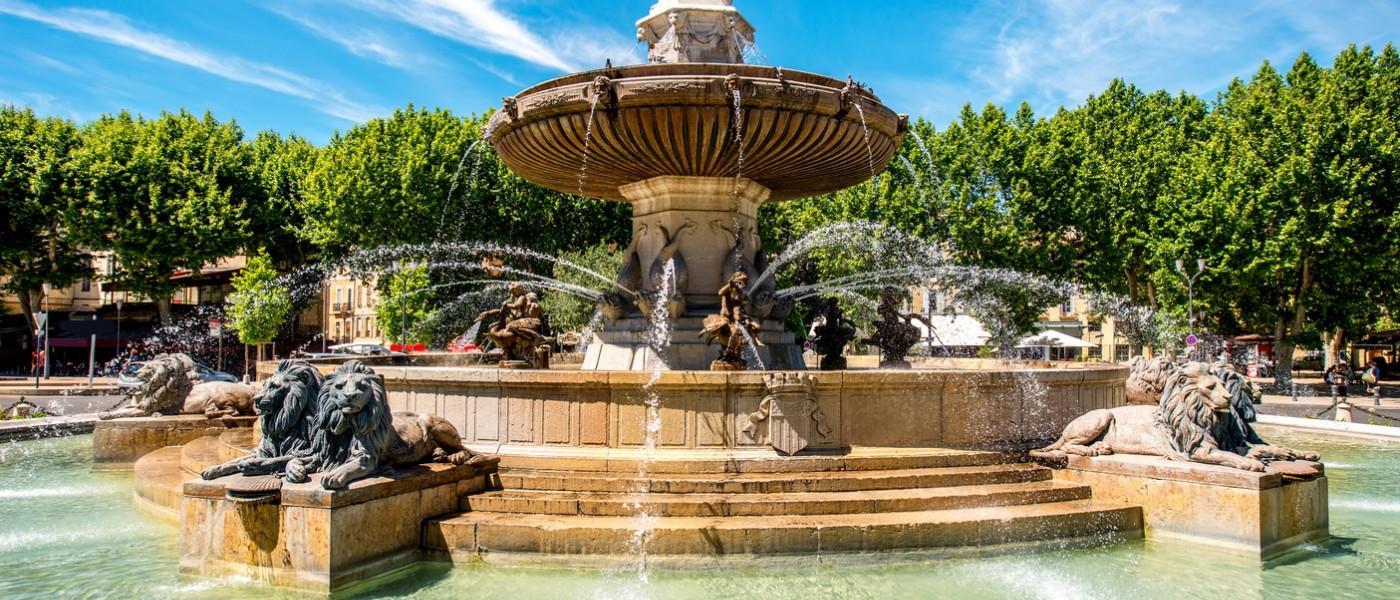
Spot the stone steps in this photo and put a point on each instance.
(628, 461)
(160, 479)
(200, 454)
(779, 504)
(772, 483)
(485, 533)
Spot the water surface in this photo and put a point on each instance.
(68, 532)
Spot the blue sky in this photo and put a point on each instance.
(315, 66)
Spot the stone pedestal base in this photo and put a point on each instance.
(623, 346)
(117, 444)
(1259, 513)
(319, 540)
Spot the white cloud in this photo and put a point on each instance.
(116, 29)
(475, 23)
(360, 41)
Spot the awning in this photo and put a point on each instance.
(1054, 339)
(954, 331)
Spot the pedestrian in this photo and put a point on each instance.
(1338, 376)
(1372, 378)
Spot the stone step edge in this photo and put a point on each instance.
(573, 481)
(820, 503)
(772, 535)
(666, 462)
(955, 491)
(159, 481)
(199, 454)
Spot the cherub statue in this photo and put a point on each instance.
(731, 325)
(830, 333)
(520, 329)
(894, 330)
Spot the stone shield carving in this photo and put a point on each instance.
(790, 411)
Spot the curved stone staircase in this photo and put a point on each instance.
(870, 499)
(730, 503)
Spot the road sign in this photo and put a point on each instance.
(1192, 340)
(216, 327)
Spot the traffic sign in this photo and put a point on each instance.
(1192, 340)
(216, 327)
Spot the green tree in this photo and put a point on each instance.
(36, 188)
(258, 307)
(280, 169)
(406, 304)
(1292, 201)
(164, 195)
(568, 312)
(396, 181)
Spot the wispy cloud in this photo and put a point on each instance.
(476, 23)
(360, 41)
(50, 62)
(117, 29)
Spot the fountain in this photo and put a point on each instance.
(664, 446)
(696, 142)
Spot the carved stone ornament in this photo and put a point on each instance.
(791, 412)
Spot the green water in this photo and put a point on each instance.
(66, 532)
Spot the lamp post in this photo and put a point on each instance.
(1191, 290)
(120, 353)
(47, 316)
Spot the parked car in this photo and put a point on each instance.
(127, 379)
(361, 349)
(462, 344)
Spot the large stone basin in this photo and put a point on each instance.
(803, 133)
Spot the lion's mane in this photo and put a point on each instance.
(288, 428)
(1147, 378)
(171, 377)
(1185, 416)
(338, 438)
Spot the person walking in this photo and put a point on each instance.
(1372, 378)
(1338, 376)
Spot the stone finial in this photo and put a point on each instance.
(685, 31)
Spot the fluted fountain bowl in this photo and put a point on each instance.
(802, 134)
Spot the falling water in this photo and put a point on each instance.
(738, 138)
(869, 152)
(752, 347)
(658, 338)
(587, 140)
(452, 191)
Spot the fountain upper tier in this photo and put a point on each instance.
(802, 133)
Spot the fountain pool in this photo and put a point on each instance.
(65, 531)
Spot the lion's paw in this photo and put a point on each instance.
(1254, 465)
(459, 458)
(334, 481)
(296, 472)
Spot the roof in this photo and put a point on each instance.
(1050, 337)
(954, 330)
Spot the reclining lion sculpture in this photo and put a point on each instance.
(1195, 421)
(287, 411)
(1146, 379)
(170, 386)
(356, 436)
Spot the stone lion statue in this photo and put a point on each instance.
(1146, 379)
(356, 435)
(170, 386)
(287, 411)
(1195, 421)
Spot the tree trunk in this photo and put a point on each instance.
(167, 311)
(1283, 354)
(27, 300)
(1334, 345)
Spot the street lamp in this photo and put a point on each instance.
(120, 353)
(1191, 290)
(47, 316)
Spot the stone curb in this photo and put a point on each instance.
(1382, 431)
(33, 429)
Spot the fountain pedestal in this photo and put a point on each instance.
(1262, 514)
(706, 227)
(319, 540)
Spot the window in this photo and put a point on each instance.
(1067, 308)
(87, 284)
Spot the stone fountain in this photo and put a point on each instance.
(646, 452)
(696, 141)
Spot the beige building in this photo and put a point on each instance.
(1073, 318)
(349, 309)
